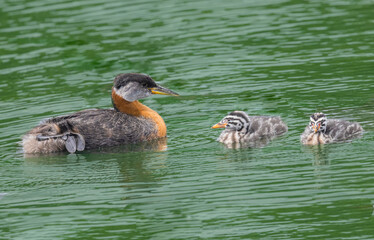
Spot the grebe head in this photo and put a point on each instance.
(234, 121)
(318, 122)
(134, 86)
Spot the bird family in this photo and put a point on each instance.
(131, 121)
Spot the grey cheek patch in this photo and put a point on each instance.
(133, 91)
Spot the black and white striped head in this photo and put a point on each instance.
(318, 122)
(235, 121)
(134, 86)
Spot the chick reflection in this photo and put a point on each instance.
(258, 143)
(320, 154)
(240, 155)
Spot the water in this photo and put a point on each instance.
(279, 57)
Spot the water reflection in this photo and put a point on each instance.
(153, 145)
(133, 166)
(259, 143)
(240, 155)
(141, 170)
(319, 152)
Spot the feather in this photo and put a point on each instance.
(71, 144)
(80, 142)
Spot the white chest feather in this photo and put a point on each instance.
(316, 138)
(229, 137)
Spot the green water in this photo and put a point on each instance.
(276, 57)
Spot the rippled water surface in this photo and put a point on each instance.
(276, 57)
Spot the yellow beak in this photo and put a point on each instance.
(316, 128)
(163, 91)
(220, 125)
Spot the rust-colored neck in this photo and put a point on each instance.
(137, 109)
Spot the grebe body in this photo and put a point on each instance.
(248, 130)
(130, 121)
(322, 130)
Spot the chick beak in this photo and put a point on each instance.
(316, 128)
(220, 125)
(163, 91)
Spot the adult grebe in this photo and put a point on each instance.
(129, 121)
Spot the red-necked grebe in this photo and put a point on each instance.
(130, 121)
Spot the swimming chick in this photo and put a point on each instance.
(322, 130)
(249, 130)
(129, 121)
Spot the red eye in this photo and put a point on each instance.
(319, 124)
